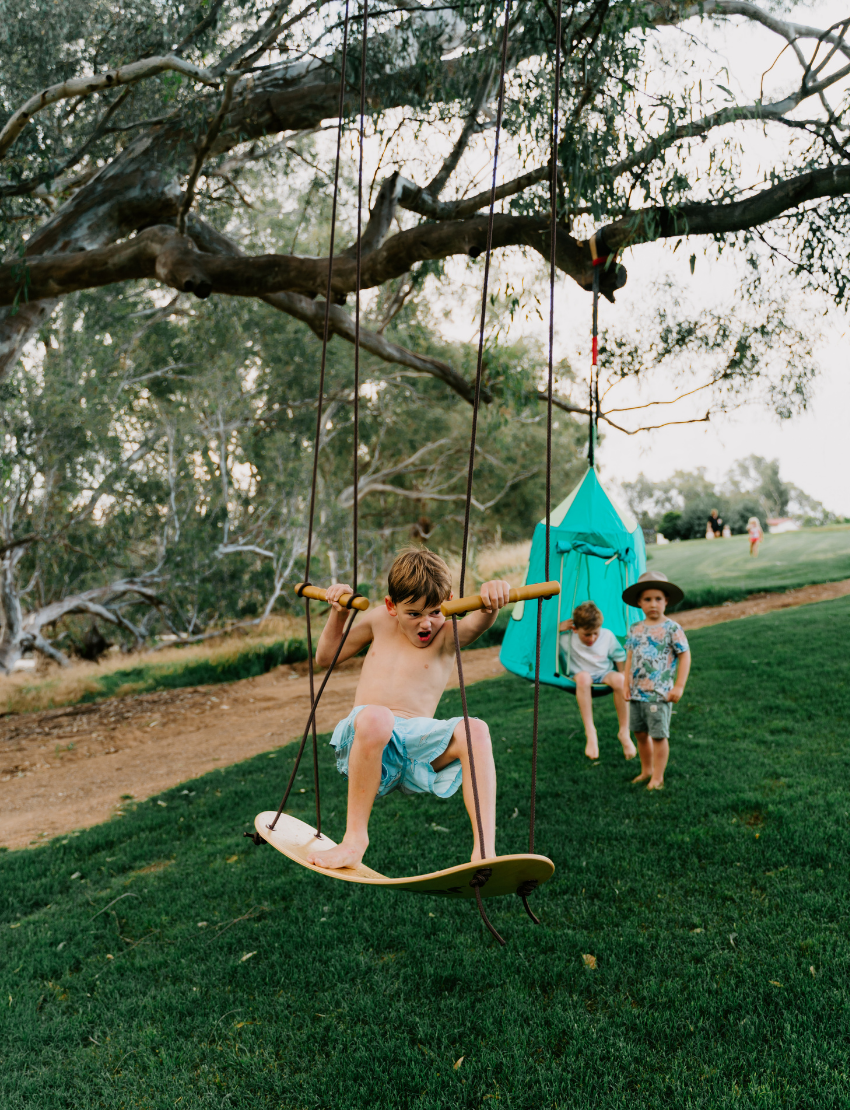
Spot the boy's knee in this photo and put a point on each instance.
(479, 734)
(374, 725)
(581, 678)
(615, 680)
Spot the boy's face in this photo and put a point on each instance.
(653, 602)
(588, 636)
(418, 624)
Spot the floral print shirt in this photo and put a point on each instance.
(655, 650)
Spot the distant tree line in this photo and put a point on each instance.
(679, 507)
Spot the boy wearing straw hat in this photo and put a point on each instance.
(658, 661)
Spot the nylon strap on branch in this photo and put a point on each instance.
(477, 882)
(314, 699)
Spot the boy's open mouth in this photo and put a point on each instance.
(424, 637)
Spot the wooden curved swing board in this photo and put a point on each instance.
(295, 838)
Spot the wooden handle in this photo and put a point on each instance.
(524, 593)
(318, 594)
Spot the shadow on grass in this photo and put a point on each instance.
(161, 960)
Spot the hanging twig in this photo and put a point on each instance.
(203, 151)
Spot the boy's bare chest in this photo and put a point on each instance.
(396, 660)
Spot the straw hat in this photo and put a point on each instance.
(646, 581)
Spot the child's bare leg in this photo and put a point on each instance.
(585, 707)
(373, 727)
(616, 681)
(660, 755)
(645, 751)
(485, 777)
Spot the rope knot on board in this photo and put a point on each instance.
(481, 876)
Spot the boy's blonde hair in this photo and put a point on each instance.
(587, 616)
(419, 573)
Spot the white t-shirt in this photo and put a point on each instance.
(598, 658)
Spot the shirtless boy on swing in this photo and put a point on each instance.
(390, 739)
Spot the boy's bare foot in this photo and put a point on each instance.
(653, 785)
(629, 750)
(591, 748)
(643, 776)
(347, 854)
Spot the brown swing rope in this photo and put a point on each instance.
(482, 875)
(315, 697)
(526, 888)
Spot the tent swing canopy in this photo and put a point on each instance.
(596, 549)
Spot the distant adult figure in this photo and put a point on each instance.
(714, 526)
(756, 535)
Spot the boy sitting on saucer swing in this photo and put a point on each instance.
(658, 661)
(390, 739)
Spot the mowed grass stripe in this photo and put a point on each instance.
(705, 907)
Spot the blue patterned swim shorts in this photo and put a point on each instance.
(406, 763)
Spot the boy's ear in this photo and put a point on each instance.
(390, 604)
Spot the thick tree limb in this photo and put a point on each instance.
(85, 86)
(175, 260)
(159, 252)
(725, 218)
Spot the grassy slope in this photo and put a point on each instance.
(227, 662)
(697, 902)
(785, 560)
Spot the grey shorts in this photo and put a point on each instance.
(652, 717)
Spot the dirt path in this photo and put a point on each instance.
(71, 768)
(763, 603)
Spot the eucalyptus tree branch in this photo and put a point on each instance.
(724, 218)
(203, 151)
(106, 484)
(265, 36)
(159, 252)
(775, 111)
(437, 183)
(672, 15)
(199, 28)
(32, 184)
(85, 86)
(340, 322)
(425, 203)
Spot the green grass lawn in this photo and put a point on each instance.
(718, 912)
(711, 572)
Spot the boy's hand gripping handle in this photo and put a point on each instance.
(347, 601)
(525, 593)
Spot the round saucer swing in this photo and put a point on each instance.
(492, 876)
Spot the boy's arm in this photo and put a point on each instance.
(567, 625)
(358, 637)
(682, 672)
(627, 683)
(495, 595)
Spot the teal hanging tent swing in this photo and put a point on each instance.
(597, 549)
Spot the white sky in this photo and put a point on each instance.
(812, 447)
